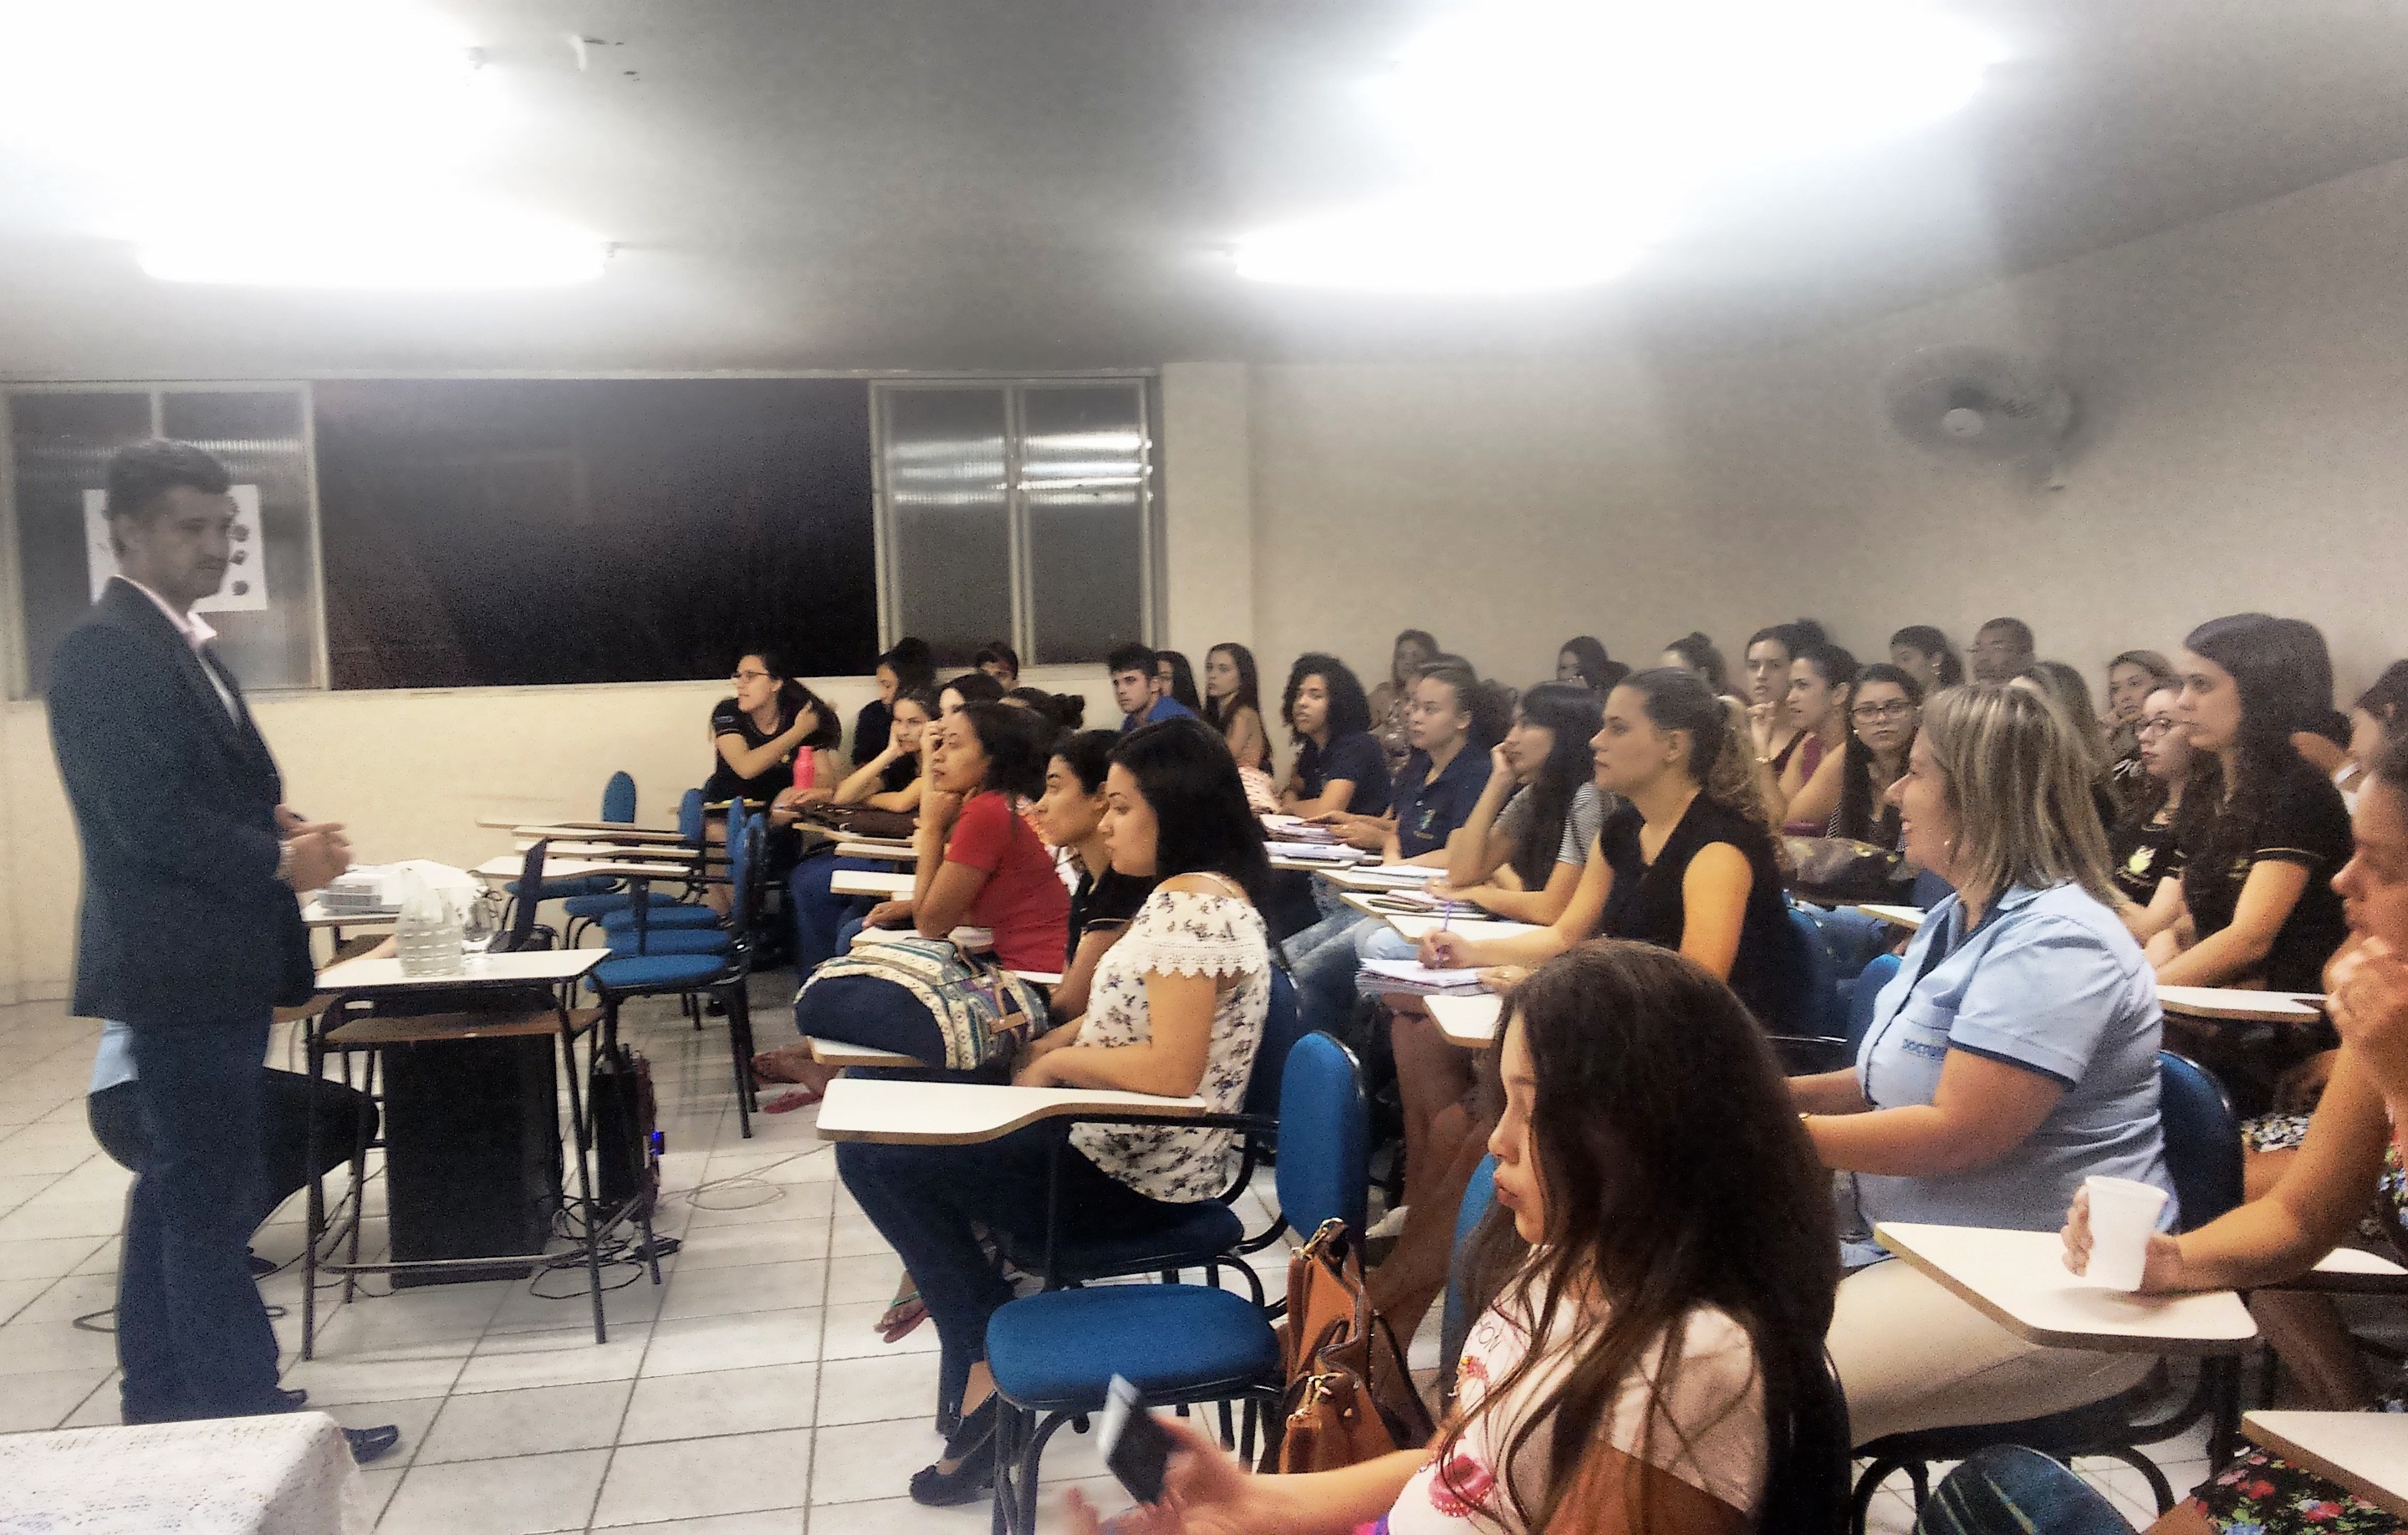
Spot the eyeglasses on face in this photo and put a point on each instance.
(2154, 727)
(1881, 713)
(749, 676)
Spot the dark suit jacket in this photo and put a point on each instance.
(183, 917)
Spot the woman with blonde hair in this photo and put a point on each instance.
(2013, 1056)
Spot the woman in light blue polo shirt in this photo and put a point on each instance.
(2013, 1056)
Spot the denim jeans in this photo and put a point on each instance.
(925, 1199)
(192, 1333)
(820, 914)
(288, 1099)
(2009, 1490)
(1322, 962)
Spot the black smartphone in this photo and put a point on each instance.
(1137, 1447)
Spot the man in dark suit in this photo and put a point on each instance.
(190, 932)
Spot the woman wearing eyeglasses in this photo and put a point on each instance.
(1849, 793)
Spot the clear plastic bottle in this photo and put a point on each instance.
(427, 933)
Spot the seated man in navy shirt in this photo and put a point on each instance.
(1132, 667)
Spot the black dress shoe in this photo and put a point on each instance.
(295, 1397)
(971, 1449)
(373, 1443)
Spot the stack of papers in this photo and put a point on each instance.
(1328, 852)
(1412, 976)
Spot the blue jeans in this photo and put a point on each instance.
(192, 1333)
(926, 1200)
(1322, 961)
(2009, 1490)
(820, 913)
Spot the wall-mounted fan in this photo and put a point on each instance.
(1969, 402)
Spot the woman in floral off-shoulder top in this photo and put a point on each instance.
(1176, 1009)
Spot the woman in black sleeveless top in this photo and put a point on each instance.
(1686, 863)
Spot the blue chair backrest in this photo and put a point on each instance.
(1478, 1196)
(1282, 1022)
(1930, 890)
(1325, 1161)
(1816, 1010)
(743, 845)
(618, 800)
(690, 817)
(1877, 973)
(2203, 1139)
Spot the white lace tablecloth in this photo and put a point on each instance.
(289, 1474)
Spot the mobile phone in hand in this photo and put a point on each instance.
(1137, 1447)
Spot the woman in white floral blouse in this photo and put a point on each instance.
(1176, 1009)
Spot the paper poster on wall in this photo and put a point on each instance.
(245, 587)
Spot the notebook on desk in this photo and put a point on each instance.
(1413, 976)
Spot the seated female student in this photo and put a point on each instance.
(980, 865)
(1924, 653)
(1233, 704)
(1655, 1200)
(890, 779)
(1339, 768)
(2132, 677)
(1452, 722)
(1414, 649)
(1849, 793)
(2372, 720)
(1176, 1009)
(1821, 681)
(1772, 652)
(909, 667)
(1696, 655)
(1583, 660)
(1688, 861)
(2140, 845)
(1000, 662)
(1520, 855)
(1174, 678)
(2260, 831)
(757, 738)
(1062, 710)
(2353, 1153)
(2014, 1054)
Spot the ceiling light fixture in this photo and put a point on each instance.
(1551, 140)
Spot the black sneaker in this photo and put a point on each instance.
(295, 1397)
(373, 1443)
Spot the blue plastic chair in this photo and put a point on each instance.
(618, 800)
(2204, 1158)
(1454, 1322)
(1807, 1039)
(619, 805)
(586, 910)
(1052, 1354)
(1211, 1235)
(723, 976)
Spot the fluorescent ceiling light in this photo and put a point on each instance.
(149, 111)
(1549, 140)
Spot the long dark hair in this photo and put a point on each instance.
(1350, 709)
(1700, 654)
(976, 687)
(1676, 1175)
(1599, 670)
(1088, 754)
(1490, 714)
(1202, 822)
(1573, 712)
(1249, 686)
(1063, 710)
(2386, 699)
(1018, 742)
(1676, 698)
(914, 664)
(1931, 642)
(1428, 640)
(794, 698)
(1860, 813)
(1183, 679)
(2212, 833)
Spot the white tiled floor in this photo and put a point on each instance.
(745, 1395)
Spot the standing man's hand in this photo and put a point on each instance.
(314, 854)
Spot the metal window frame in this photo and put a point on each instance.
(1022, 581)
(156, 391)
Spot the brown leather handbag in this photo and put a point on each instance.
(863, 820)
(1350, 1396)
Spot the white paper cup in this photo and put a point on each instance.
(2123, 1218)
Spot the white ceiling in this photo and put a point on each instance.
(1053, 183)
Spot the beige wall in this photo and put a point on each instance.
(2244, 383)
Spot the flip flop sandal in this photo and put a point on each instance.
(901, 1318)
(786, 1103)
